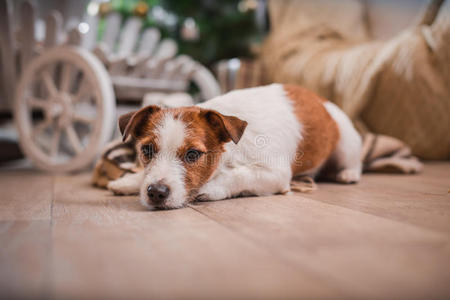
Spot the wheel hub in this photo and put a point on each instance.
(60, 109)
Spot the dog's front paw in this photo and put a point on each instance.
(211, 193)
(121, 187)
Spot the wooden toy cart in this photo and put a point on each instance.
(63, 88)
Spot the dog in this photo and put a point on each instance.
(248, 142)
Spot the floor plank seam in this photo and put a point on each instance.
(276, 256)
(52, 202)
(416, 226)
(49, 277)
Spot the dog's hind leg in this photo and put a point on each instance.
(346, 158)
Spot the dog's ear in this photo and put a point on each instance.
(131, 122)
(124, 120)
(227, 127)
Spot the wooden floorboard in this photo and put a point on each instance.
(25, 195)
(109, 247)
(423, 200)
(366, 255)
(387, 237)
(25, 228)
(24, 259)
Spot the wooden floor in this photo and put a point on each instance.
(387, 237)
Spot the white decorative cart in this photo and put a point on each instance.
(63, 89)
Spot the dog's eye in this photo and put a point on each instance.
(192, 156)
(147, 152)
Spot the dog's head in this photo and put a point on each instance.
(180, 149)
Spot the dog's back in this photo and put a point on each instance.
(289, 127)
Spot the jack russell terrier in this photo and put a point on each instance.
(246, 142)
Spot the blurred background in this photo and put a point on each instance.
(206, 30)
(237, 26)
(386, 63)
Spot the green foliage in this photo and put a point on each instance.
(224, 31)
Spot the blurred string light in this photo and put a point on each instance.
(158, 13)
(93, 8)
(162, 17)
(258, 7)
(247, 5)
(141, 9)
(105, 8)
(83, 27)
(234, 64)
(189, 30)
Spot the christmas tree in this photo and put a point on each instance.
(206, 30)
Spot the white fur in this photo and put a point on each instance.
(347, 154)
(129, 184)
(119, 152)
(166, 167)
(170, 134)
(260, 164)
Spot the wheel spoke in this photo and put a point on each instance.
(54, 148)
(83, 91)
(73, 138)
(49, 83)
(66, 77)
(83, 119)
(38, 103)
(41, 127)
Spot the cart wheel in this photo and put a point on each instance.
(64, 109)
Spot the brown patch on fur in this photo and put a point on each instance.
(320, 132)
(135, 123)
(228, 127)
(206, 131)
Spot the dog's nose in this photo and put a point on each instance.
(158, 192)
